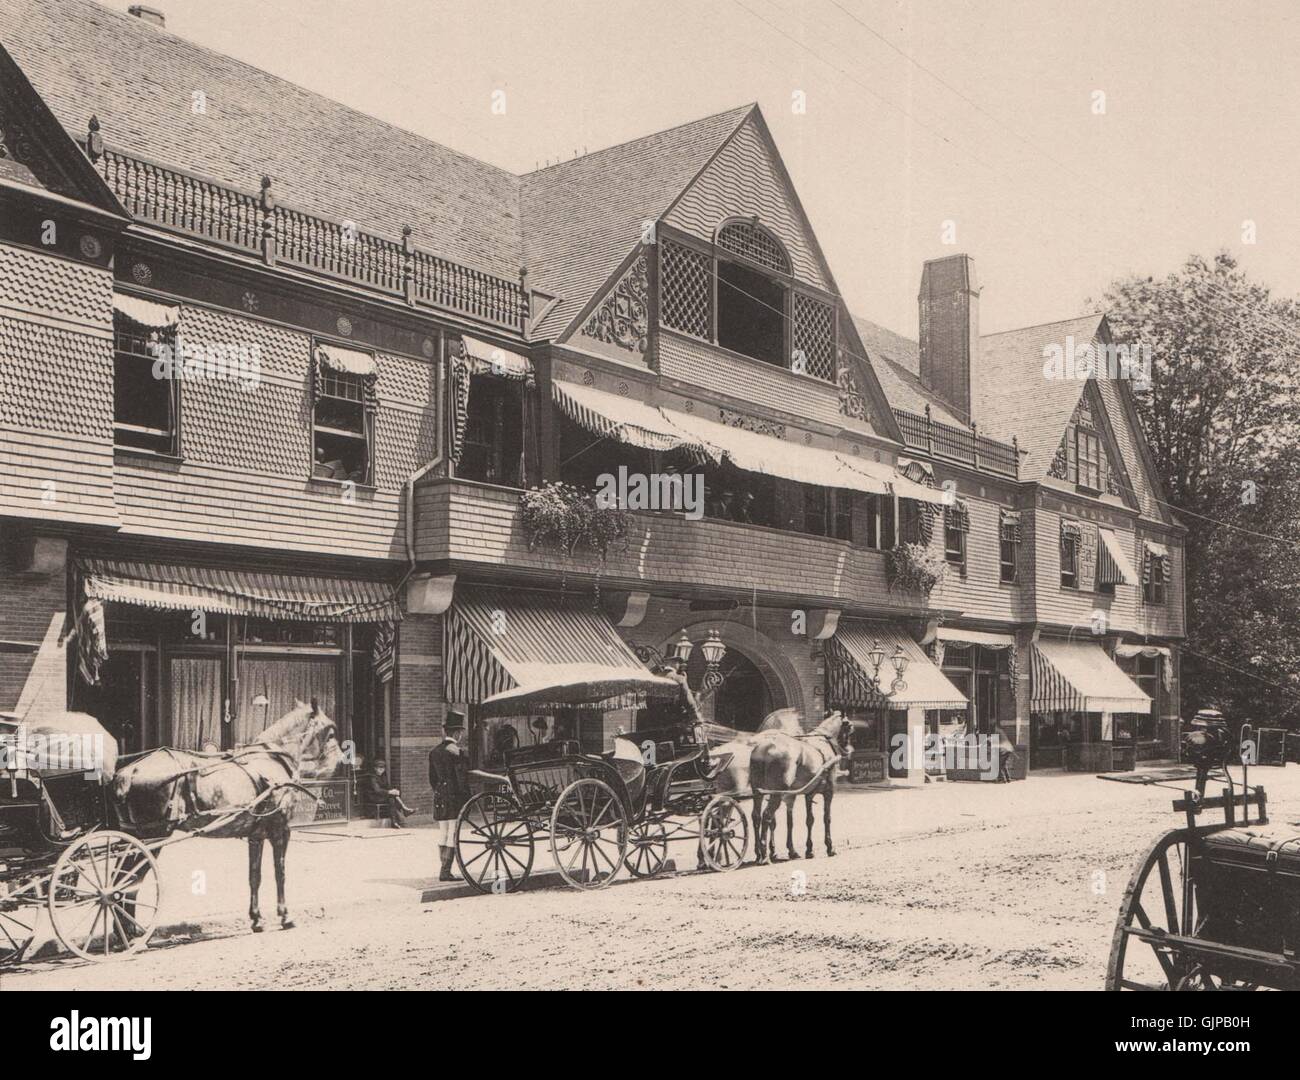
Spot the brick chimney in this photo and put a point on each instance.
(949, 308)
(148, 14)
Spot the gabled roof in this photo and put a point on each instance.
(582, 217)
(53, 162)
(1011, 373)
(1010, 370)
(324, 158)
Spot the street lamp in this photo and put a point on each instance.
(712, 648)
(899, 662)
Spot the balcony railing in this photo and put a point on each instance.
(921, 432)
(181, 202)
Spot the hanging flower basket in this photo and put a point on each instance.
(914, 568)
(566, 517)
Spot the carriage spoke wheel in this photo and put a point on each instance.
(494, 843)
(104, 896)
(724, 833)
(647, 849)
(20, 910)
(588, 834)
(1159, 901)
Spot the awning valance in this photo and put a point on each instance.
(173, 587)
(1077, 676)
(515, 653)
(1156, 559)
(1129, 651)
(1113, 564)
(146, 313)
(349, 361)
(975, 637)
(625, 419)
(755, 452)
(484, 359)
(849, 669)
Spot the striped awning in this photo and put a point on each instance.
(484, 359)
(1077, 676)
(849, 668)
(174, 587)
(1156, 557)
(623, 419)
(1113, 564)
(516, 653)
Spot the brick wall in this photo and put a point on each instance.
(33, 667)
(418, 707)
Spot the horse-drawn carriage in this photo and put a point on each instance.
(1213, 906)
(98, 886)
(80, 827)
(601, 812)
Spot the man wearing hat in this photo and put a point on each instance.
(449, 778)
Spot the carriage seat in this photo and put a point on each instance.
(626, 760)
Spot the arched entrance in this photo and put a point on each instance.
(757, 678)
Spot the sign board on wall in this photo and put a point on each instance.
(334, 805)
(866, 768)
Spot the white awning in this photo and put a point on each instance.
(849, 671)
(1113, 564)
(146, 313)
(875, 473)
(349, 361)
(1158, 550)
(770, 456)
(975, 637)
(485, 359)
(624, 419)
(1077, 676)
(910, 489)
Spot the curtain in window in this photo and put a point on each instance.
(282, 681)
(196, 700)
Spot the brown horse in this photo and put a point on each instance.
(246, 793)
(783, 766)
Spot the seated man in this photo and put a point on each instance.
(375, 790)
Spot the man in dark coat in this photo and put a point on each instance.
(375, 788)
(449, 778)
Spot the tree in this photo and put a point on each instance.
(1222, 416)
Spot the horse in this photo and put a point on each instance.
(784, 765)
(734, 778)
(245, 793)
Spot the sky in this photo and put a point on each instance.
(1060, 144)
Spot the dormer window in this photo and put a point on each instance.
(742, 296)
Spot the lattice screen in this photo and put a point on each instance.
(755, 243)
(814, 335)
(686, 290)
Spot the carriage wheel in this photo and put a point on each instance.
(1155, 902)
(104, 895)
(647, 849)
(588, 834)
(494, 843)
(724, 833)
(20, 911)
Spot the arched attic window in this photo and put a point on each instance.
(753, 302)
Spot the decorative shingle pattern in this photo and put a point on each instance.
(55, 380)
(44, 283)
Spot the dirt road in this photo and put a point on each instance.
(970, 886)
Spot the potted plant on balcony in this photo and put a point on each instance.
(564, 516)
(915, 568)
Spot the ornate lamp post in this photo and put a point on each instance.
(712, 648)
(898, 661)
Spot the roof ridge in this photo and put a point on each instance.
(1050, 322)
(639, 138)
(135, 22)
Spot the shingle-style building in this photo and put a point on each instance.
(276, 377)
